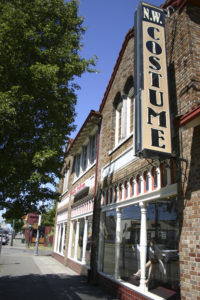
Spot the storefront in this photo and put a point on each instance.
(79, 249)
(60, 235)
(139, 236)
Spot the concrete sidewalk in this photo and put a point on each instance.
(25, 276)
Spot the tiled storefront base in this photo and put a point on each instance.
(121, 292)
(114, 288)
(58, 257)
(77, 267)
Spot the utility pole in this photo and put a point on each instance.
(38, 235)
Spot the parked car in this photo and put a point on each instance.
(4, 239)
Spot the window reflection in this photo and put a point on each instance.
(89, 240)
(162, 268)
(109, 242)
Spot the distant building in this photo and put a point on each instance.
(120, 213)
(30, 230)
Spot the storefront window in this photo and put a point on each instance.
(109, 242)
(162, 261)
(80, 240)
(64, 242)
(162, 229)
(61, 237)
(130, 239)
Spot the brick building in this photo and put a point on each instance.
(132, 223)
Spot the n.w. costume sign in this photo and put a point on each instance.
(152, 115)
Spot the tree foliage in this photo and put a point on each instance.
(48, 215)
(40, 43)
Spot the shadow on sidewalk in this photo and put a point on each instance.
(50, 287)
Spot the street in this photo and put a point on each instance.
(25, 276)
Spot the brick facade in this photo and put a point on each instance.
(183, 59)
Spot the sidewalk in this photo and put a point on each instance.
(44, 261)
(25, 276)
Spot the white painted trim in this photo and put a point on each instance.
(62, 217)
(120, 143)
(119, 162)
(63, 202)
(82, 174)
(165, 192)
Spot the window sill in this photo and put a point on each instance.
(120, 144)
(82, 174)
(65, 192)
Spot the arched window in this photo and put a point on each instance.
(154, 178)
(125, 190)
(132, 187)
(66, 179)
(129, 91)
(123, 104)
(146, 181)
(120, 192)
(139, 184)
(115, 194)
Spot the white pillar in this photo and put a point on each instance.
(117, 243)
(63, 237)
(76, 240)
(143, 245)
(59, 232)
(150, 181)
(85, 237)
(70, 239)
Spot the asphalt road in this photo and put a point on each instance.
(25, 276)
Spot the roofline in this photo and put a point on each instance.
(179, 3)
(188, 117)
(92, 113)
(129, 35)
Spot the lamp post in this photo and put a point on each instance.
(13, 233)
(38, 235)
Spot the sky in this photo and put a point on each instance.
(107, 22)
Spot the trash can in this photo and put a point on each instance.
(22, 240)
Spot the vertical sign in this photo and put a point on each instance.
(152, 114)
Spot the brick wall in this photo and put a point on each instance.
(183, 55)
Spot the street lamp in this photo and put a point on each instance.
(13, 233)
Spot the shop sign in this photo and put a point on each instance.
(152, 114)
(78, 189)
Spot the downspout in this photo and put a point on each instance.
(93, 272)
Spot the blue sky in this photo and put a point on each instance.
(107, 22)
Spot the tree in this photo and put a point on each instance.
(40, 43)
(48, 216)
